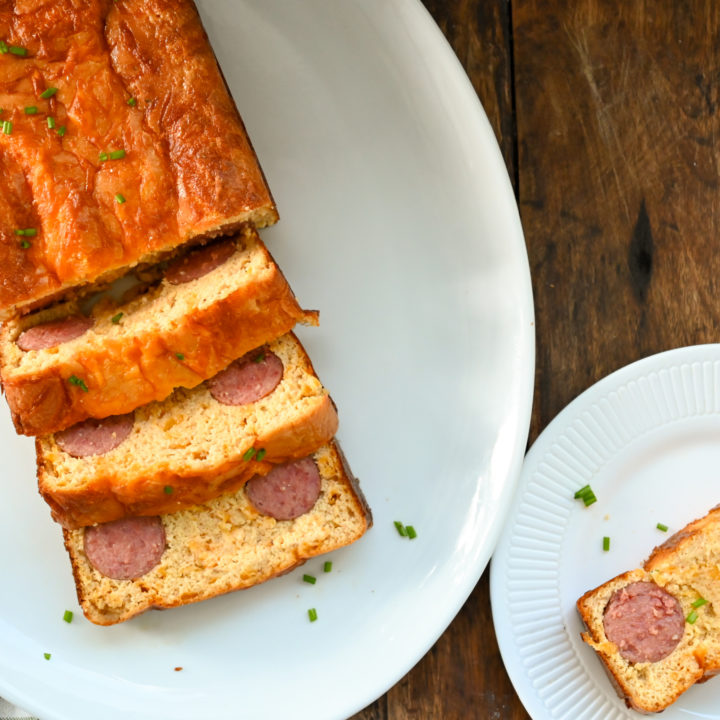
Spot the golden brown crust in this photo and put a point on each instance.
(189, 170)
(171, 440)
(226, 545)
(123, 373)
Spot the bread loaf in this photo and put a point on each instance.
(172, 335)
(225, 545)
(655, 628)
(133, 147)
(188, 448)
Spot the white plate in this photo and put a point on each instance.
(647, 440)
(399, 224)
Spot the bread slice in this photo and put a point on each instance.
(171, 335)
(190, 448)
(687, 566)
(138, 149)
(226, 545)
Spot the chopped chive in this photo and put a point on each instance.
(79, 382)
(61, 130)
(309, 579)
(31, 110)
(47, 656)
(662, 527)
(586, 494)
(103, 157)
(583, 491)
(400, 528)
(51, 122)
(68, 616)
(25, 244)
(692, 617)
(117, 154)
(248, 454)
(606, 543)
(19, 231)
(327, 567)
(48, 93)
(260, 454)
(7, 127)
(168, 490)
(312, 614)
(410, 530)
(699, 602)
(17, 50)
(259, 357)
(3, 47)
(132, 102)
(115, 319)
(120, 198)
(180, 356)
(26, 232)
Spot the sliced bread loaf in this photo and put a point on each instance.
(214, 548)
(185, 327)
(191, 447)
(655, 628)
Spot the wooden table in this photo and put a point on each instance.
(607, 117)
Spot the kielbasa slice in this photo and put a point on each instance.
(125, 549)
(645, 621)
(251, 377)
(199, 262)
(287, 491)
(50, 334)
(95, 437)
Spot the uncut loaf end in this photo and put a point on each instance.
(226, 545)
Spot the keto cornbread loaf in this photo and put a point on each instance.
(120, 143)
(182, 330)
(656, 629)
(191, 447)
(224, 545)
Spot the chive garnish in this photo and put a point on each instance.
(47, 656)
(400, 528)
(692, 617)
(260, 454)
(25, 244)
(586, 494)
(117, 154)
(79, 382)
(606, 543)
(120, 198)
(61, 130)
(31, 110)
(310, 579)
(51, 122)
(115, 319)
(327, 567)
(132, 102)
(48, 93)
(17, 50)
(180, 356)
(699, 602)
(248, 454)
(168, 490)
(312, 614)
(68, 616)
(7, 127)
(102, 157)
(410, 530)
(27, 232)
(259, 357)
(3, 47)
(662, 527)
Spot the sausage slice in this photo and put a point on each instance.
(199, 262)
(645, 621)
(95, 437)
(53, 333)
(125, 549)
(251, 377)
(287, 491)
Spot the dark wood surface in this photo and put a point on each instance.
(607, 117)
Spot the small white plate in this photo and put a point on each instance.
(399, 224)
(647, 440)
